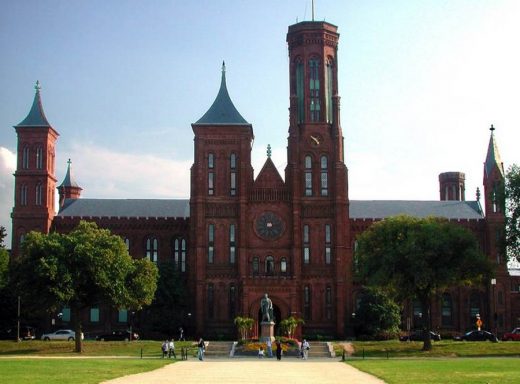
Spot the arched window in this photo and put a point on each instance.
(39, 157)
(328, 244)
(269, 265)
(232, 301)
(25, 157)
(314, 89)
(233, 174)
(152, 249)
(39, 193)
(211, 301)
(232, 244)
(127, 243)
(306, 302)
(447, 310)
(299, 90)
(211, 174)
(328, 303)
(306, 245)
(211, 243)
(324, 180)
(308, 176)
(23, 195)
(255, 265)
(283, 265)
(329, 83)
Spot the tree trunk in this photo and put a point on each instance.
(425, 304)
(77, 329)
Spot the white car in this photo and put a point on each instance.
(62, 334)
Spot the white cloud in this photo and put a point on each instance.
(7, 167)
(103, 173)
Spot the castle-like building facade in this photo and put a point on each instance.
(238, 237)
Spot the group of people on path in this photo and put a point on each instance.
(168, 349)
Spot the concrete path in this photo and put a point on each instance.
(252, 371)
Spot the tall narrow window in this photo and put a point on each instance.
(23, 195)
(328, 244)
(299, 90)
(474, 306)
(152, 249)
(269, 265)
(308, 176)
(211, 243)
(233, 175)
(232, 244)
(127, 243)
(324, 179)
(329, 84)
(176, 253)
(122, 316)
(232, 301)
(314, 89)
(94, 315)
(211, 174)
(307, 303)
(306, 245)
(25, 157)
(39, 193)
(65, 314)
(183, 255)
(39, 157)
(255, 265)
(446, 310)
(328, 303)
(283, 265)
(211, 301)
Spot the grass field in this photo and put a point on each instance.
(442, 371)
(76, 371)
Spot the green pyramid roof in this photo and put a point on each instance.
(493, 156)
(36, 116)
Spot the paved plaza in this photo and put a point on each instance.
(252, 371)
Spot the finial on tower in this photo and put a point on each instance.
(69, 162)
(269, 150)
(492, 128)
(223, 66)
(37, 86)
(478, 194)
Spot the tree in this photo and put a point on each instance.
(378, 315)
(413, 258)
(4, 260)
(244, 325)
(512, 194)
(290, 324)
(82, 269)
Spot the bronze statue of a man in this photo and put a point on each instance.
(267, 308)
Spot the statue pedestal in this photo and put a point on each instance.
(267, 331)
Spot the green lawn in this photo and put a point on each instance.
(75, 371)
(444, 370)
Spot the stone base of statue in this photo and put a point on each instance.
(267, 331)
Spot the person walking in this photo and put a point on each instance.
(278, 350)
(164, 349)
(202, 347)
(171, 349)
(305, 348)
(269, 348)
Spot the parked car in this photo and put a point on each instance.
(61, 334)
(26, 333)
(513, 335)
(477, 336)
(418, 335)
(118, 336)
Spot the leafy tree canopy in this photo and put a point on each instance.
(82, 269)
(378, 316)
(4, 260)
(512, 192)
(417, 258)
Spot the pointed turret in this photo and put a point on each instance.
(69, 189)
(493, 156)
(36, 116)
(222, 111)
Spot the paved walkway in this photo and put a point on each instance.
(252, 371)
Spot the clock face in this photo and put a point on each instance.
(315, 139)
(269, 226)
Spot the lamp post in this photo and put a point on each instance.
(493, 285)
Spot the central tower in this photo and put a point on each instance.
(316, 174)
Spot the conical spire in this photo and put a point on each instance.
(493, 156)
(36, 116)
(222, 111)
(69, 179)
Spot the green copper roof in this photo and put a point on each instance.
(222, 111)
(493, 156)
(36, 116)
(69, 181)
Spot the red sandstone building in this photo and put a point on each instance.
(238, 237)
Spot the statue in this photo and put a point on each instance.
(267, 308)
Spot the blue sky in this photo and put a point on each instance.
(420, 83)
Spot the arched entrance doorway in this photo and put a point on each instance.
(277, 318)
